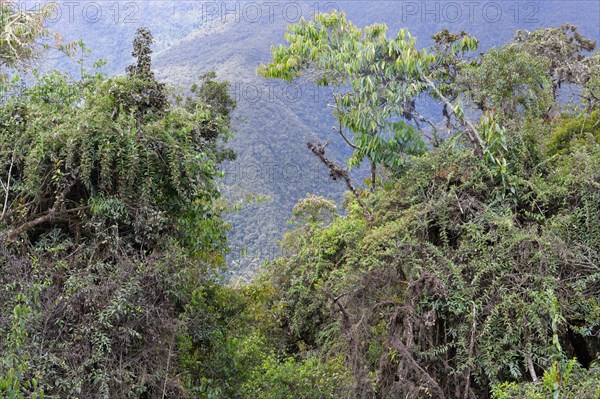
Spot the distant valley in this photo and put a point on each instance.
(274, 120)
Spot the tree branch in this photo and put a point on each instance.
(341, 133)
(338, 173)
(471, 350)
(51, 215)
(7, 187)
(471, 129)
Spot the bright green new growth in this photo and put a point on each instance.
(376, 83)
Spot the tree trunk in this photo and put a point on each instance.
(373, 175)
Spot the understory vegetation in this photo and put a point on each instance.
(466, 266)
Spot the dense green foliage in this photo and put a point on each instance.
(454, 287)
(272, 119)
(476, 267)
(110, 222)
(468, 269)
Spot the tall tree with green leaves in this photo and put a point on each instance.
(111, 219)
(376, 81)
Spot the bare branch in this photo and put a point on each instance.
(7, 186)
(51, 215)
(341, 133)
(338, 173)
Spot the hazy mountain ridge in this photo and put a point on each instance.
(271, 133)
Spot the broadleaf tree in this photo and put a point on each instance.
(376, 83)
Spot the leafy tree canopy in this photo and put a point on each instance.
(110, 221)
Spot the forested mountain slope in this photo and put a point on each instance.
(470, 268)
(274, 120)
